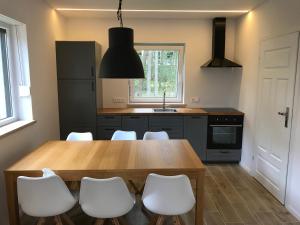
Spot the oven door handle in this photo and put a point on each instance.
(227, 125)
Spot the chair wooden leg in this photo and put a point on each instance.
(177, 220)
(115, 221)
(160, 220)
(41, 221)
(135, 188)
(67, 219)
(99, 222)
(57, 220)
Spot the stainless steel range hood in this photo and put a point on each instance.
(218, 46)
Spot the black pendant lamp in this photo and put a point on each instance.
(121, 60)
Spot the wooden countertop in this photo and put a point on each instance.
(149, 111)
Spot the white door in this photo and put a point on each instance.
(277, 74)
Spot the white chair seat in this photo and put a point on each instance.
(105, 198)
(75, 136)
(160, 135)
(168, 195)
(124, 135)
(44, 196)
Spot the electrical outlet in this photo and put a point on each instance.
(118, 100)
(195, 99)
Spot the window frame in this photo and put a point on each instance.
(11, 74)
(181, 73)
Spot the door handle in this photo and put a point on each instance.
(286, 114)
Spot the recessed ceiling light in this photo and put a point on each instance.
(154, 10)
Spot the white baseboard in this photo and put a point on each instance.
(245, 167)
(293, 211)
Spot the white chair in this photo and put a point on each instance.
(75, 136)
(124, 135)
(160, 135)
(168, 196)
(45, 196)
(105, 198)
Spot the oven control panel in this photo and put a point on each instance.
(226, 119)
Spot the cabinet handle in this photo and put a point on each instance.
(224, 152)
(134, 117)
(92, 71)
(109, 117)
(109, 129)
(93, 86)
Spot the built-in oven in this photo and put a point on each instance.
(225, 131)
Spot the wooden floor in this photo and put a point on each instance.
(232, 197)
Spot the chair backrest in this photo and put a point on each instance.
(44, 196)
(160, 135)
(172, 194)
(75, 136)
(124, 135)
(105, 198)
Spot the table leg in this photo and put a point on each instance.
(199, 220)
(12, 199)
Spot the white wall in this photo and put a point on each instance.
(274, 18)
(43, 27)
(215, 87)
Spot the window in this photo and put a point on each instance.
(164, 71)
(15, 99)
(6, 110)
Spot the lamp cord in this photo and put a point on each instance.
(119, 13)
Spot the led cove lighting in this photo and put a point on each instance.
(154, 10)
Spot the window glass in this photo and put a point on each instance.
(5, 93)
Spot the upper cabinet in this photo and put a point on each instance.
(77, 59)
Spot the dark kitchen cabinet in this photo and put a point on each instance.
(78, 86)
(137, 123)
(195, 130)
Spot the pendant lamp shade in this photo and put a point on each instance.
(121, 60)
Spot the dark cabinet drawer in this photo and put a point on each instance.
(114, 121)
(173, 125)
(139, 124)
(105, 133)
(223, 155)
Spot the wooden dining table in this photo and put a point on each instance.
(131, 160)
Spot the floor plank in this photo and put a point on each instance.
(232, 197)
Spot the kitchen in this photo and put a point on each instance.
(202, 87)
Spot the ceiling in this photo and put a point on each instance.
(176, 5)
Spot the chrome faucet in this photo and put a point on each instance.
(164, 101)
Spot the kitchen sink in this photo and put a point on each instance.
(164, 110)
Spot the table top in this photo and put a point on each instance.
(167, 155)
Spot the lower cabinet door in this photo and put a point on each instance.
(195, 131)
(139, 124)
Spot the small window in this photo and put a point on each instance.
(164, 71)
